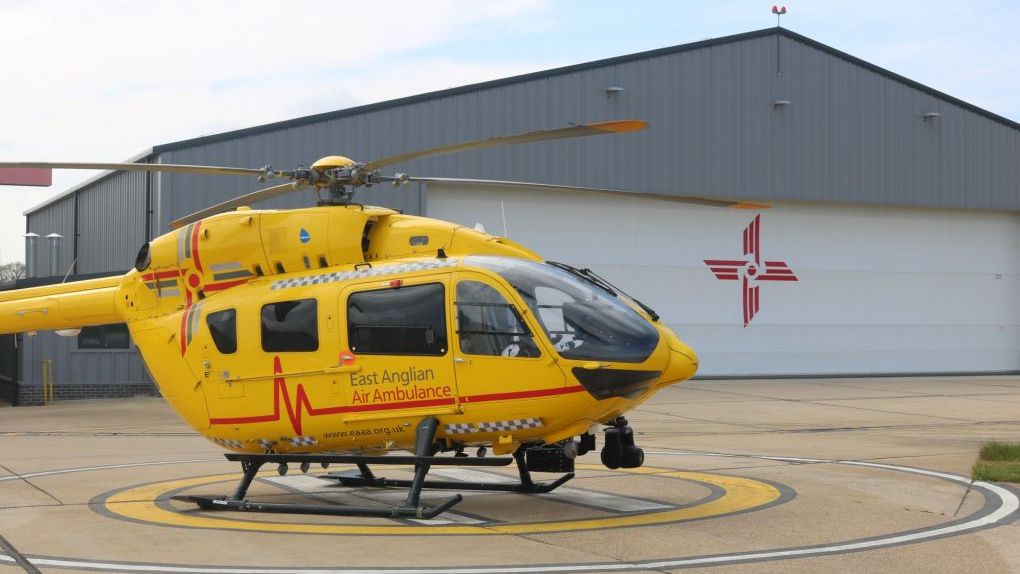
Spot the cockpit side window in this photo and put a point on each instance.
(489, 325)
(582, 320)
(223, 328)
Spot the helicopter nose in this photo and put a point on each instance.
(683, 363)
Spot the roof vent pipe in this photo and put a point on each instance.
(54, 249)
(31, 254)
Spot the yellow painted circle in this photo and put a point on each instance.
(740, 494)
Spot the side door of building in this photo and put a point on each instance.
(395, 348)
(500, 358)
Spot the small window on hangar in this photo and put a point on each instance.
(113, 336)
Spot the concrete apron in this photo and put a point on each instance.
(806, 475)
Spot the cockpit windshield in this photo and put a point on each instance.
(582, 321)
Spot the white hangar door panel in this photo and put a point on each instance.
(816, 289)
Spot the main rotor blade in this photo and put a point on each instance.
(231, 204)
(167, 167)
(582, 130)
(711, 202)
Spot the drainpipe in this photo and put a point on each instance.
(31, 254)
(54, 249)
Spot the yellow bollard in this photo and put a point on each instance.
(47, 380)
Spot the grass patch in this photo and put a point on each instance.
(998, 462)
(1000, 451)
(996, 470)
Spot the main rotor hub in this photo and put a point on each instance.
(339, 194)
(333, 162)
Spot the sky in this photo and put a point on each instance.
(105, 80)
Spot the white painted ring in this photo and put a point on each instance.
(1004, 501)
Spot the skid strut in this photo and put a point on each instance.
(526, 485)
(422, 460)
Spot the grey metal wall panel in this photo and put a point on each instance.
(116, 206)
(73, 366)
(57, 218)
(111, 229)
(853, 133)
(849, 135)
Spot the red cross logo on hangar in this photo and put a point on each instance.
(750, 269)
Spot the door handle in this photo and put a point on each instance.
(460, 360)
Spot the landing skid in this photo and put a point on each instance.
(526, 485)
(411, 508)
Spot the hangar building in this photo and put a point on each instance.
(891, 246)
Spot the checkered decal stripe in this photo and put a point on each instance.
(267, 444)
(459, 428)
(304, 441)
(228, 442)
(494, 426)
(510, 425)
(359, 274)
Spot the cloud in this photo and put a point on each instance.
(103, 81)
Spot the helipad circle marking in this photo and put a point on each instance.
(740, 494)
(1001, 507)
(103, 467)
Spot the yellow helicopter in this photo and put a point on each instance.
(339, 333)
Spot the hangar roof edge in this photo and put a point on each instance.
(346, 112)
(765, 32)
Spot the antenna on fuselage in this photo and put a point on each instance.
(502, 211)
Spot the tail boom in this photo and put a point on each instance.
(60, 306)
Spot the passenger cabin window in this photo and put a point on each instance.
(113, 336)
(402, 321)
(223, 328)
(290, 326)
(489, 325)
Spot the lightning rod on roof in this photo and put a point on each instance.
(778, 11)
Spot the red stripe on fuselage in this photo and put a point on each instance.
(521, 395)
(161, 275)
(194, 246)
(184, 325)
(302, 404)
(224, 285)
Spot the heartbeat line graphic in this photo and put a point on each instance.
(302, 405)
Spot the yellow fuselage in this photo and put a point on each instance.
(242, 269)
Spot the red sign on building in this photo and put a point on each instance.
(38, 176)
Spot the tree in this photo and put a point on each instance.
(11, 272)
